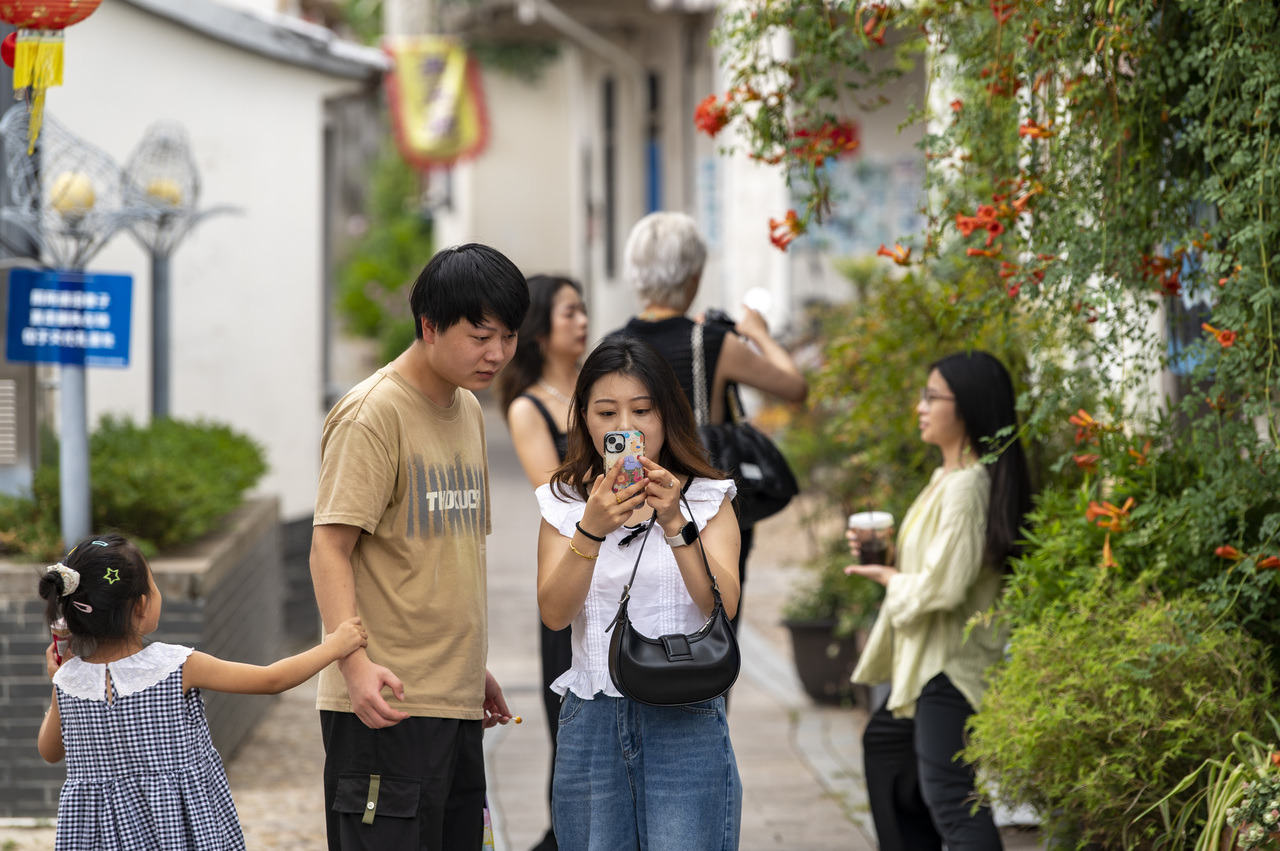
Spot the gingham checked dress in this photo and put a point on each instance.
(142, 772)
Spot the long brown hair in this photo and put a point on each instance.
(682, 451)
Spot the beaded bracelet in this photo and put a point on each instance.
(581, 553)
(598, 539)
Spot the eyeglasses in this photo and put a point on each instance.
(929, 397)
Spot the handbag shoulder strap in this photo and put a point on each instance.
(737, 413)
(644, 536)
(701, 403)
(701, 408)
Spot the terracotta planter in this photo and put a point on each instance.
(824, 661)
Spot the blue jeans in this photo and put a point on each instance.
(633, 776)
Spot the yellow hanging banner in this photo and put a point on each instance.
(37, 59)
(437, 105)
(37, 65)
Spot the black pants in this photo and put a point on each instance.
(920, 793)
(424, 778)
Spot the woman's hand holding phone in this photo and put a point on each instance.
(606, 509)
(662, 493)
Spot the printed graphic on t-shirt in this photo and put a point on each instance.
(444, 498)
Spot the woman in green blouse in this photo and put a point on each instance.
(953, 549)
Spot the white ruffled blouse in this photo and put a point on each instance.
(660, 603)
(130, 675)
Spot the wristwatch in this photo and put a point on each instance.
(687, 535)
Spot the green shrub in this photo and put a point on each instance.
(374, 281)
(1103, 707)
(165, 484)
(1160, 504)
(30, 526)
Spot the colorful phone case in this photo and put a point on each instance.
(629, 446)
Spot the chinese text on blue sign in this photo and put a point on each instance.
(68, 317)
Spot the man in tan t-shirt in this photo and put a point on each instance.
(402, 512)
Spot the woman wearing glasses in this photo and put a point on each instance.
(953, 551)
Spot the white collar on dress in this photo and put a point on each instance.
(152, 664)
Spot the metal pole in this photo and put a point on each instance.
(73, 455)
(160, 349)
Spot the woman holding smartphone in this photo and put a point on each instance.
(534, 390)
(954, 547)
(629, 775)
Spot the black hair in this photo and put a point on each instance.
(682, 451)
(99, 611)
(469, 282)
(527, 362)
(985, 404)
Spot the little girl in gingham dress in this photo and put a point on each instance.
(142, 771)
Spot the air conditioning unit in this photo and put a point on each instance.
(19, 442)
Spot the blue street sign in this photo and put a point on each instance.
(68, 318)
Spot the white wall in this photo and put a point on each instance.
(517, 195)
(538, 191)
(246, 289)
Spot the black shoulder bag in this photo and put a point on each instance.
(764, 479)
(673, 670)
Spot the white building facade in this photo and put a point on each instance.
(254, 92)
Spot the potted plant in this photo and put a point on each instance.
(828, 617)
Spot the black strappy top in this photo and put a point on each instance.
(560, 439)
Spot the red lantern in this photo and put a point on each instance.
(37, 60)
(46, 14)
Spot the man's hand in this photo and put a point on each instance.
(365, 682)
(495, 705)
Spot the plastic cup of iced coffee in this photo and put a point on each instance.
(874, 529)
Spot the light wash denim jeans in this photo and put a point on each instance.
(656, 778)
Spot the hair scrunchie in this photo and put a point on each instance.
(70, 578)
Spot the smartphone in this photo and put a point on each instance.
(629, 446)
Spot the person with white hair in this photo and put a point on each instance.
(663, 262)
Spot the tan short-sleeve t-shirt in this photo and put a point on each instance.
(414, 477)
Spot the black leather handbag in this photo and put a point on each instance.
(673, 670)
(764, 479)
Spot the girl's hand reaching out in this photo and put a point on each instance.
(349, 637)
